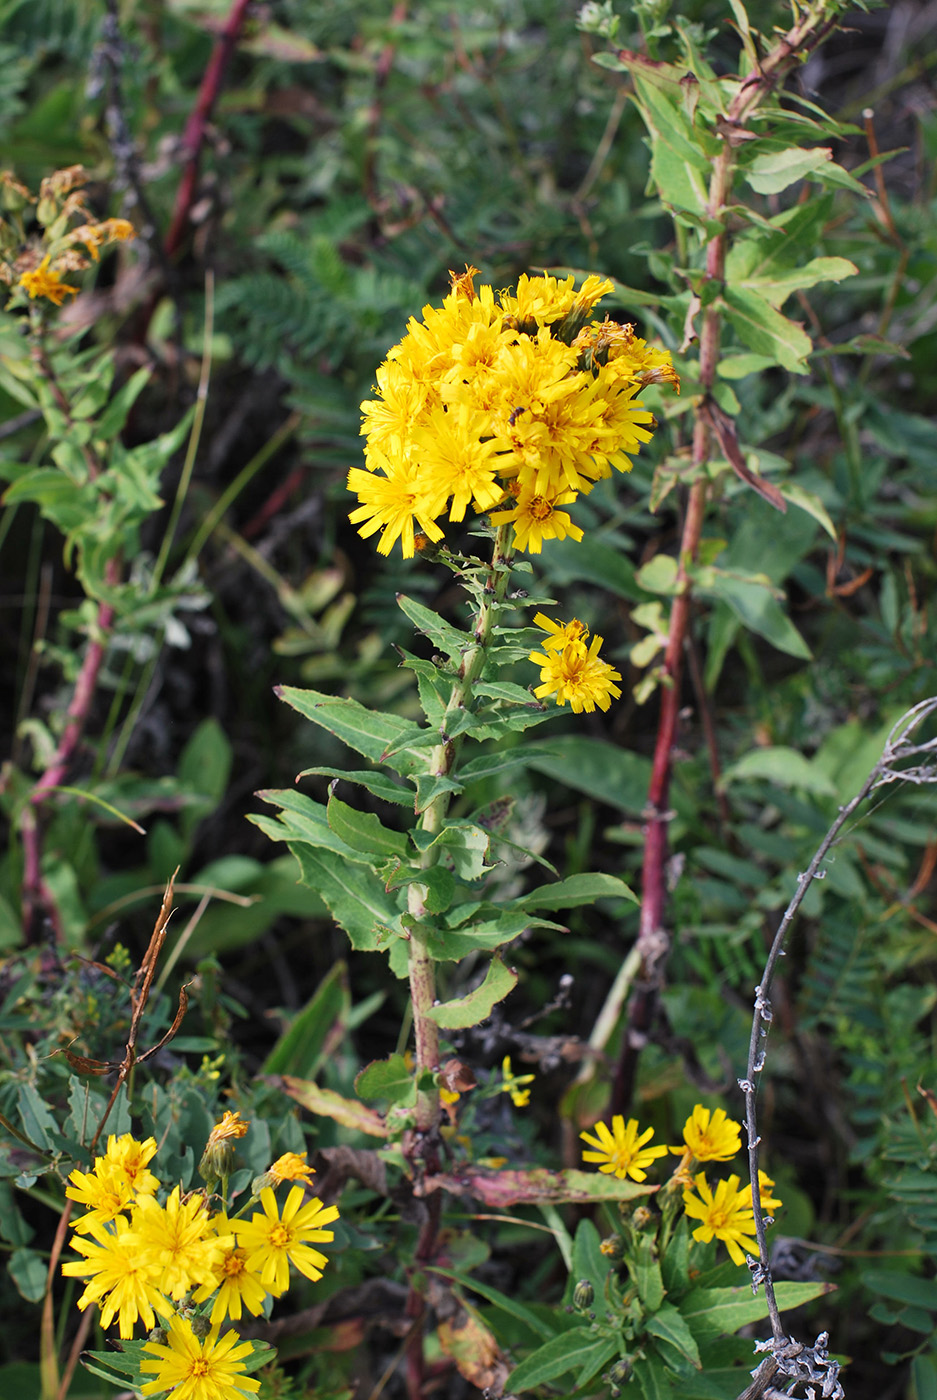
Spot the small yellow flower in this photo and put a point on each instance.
(44, 281)
(621, 1151)
(238, 1286)
(725, 1216)
(579, 675)
(274, 1241)
(709, 1137)
(210, 1369)
(560, 633)
(120, 1279)
(513, 1084)
(292, 1166)
(178, 1240)
(769, 1203)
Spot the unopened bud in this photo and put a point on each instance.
(642, 1218)
(583, 1294)
(201, 1326)
(158, 1334)
(620, 1373)
(613, 1247)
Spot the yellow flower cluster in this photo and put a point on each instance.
(39, 267)
(511, 404)
(726, 1214)
(143, 1259)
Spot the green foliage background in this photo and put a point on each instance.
(354, 156)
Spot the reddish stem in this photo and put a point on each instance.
(36, 893)
(193, 138)
(653, 937)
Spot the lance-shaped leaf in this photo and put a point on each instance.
(576, 890)
(461, 843)
(765, 330)
(569, 1351)
(325, 1103)
(364, 832)
(369, 732)
(302, 819)
(472, 1009)
(714, 1311)
(681, 149)
(773, 171)
(449, 639)
(376, 782)
(353, 894)
(667, 1324)
(387, 1079)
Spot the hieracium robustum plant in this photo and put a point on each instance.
(492, 416)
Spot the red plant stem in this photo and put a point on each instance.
(36, 894)
(193, 138)
(653, 937)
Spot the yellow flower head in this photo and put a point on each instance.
(44, 281)
(121, 1280)
(577, 674)
(192, 1369)
(274, 1241)
(710, 1137)
(178, 1240)
(463, 283)
(620, 1151)
(769, 1202)
(390, 502)
(561, 634)
(238, 1286)
(292, 1166)
(535, 518)
(513, 1084)
(725, 1215)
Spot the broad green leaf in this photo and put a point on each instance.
(363, 831)
(667, 1324)
(36, 1117)
(438, 884)
(367, 731)
(738, 366)
(114, 417)
(776, 283)
(759, 610)
(317, 1031)
(659, 575)
(770, 173)
(451, 945)
(387, 1079)
(489, 764)
(325, 1103)
(588, 1260)
(792, 491)
(924, 1376)
(604, 1350)
(429, 786)
(303, 819)
(654, 1379)
(472, 1009)
(713, 1311)
(765, 330)
(448, 638)
(29, 1271)
(464, 844)
(566, 1352)
(380, 784)
(644, 1268)
(595, 563)
(577, 890)
(784, 767)
(902, 1287)
(601, 770)
(354, 895)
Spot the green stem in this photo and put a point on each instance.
(422, 971)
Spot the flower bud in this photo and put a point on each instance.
(613, 1247)
(158, 1334)
(642, 1218)
(620, 1373)
(583, 1294)
(201, 1326)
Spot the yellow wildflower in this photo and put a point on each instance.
(120, 1279)
(238, 1286)
(274, 1241)
(725, 1216)
(292, 1166)
(709, 1137)
(193, 1369)
(44, 281)
(178, 1240)
(577, 674)
(620, 1151)
(513, 1084)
